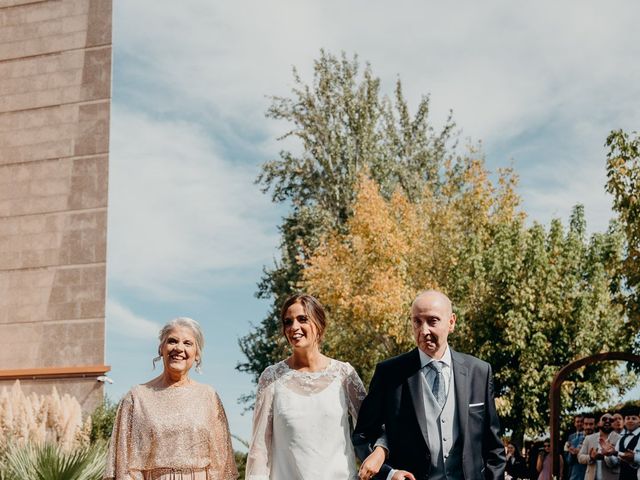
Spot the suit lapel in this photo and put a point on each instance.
(462, 390)
(415, 388)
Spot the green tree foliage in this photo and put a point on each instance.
(541, 299)
(345, 126)
(241, 463)
(383, 206)
(241, 457)
(368, 275)
(49, 462)
(623, 182)
(102, 420)
(529, 300)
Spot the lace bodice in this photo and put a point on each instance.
(171, 430)
(301, 426)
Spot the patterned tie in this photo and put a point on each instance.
(438, 383)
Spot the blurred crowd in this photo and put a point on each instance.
(603, 448)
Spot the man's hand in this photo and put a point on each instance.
(372, 464)
(627, 456)
(593, 454)
(402, 475)
(607, 448)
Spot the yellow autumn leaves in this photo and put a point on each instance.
(393, 248)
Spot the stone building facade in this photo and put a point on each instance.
(55, 90)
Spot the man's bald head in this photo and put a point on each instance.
(432, 319)
(433, 296)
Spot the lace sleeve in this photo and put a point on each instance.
(120, 443)
(355, 391)
(222, 457)
(259, 458)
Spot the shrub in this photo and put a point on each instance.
(102, 420)
(51, 462)
(241, 463)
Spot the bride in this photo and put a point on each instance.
(301, 426)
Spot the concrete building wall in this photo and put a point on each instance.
(55, 89)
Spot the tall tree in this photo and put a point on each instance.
(623, 182)
(547, 297)
(344, 126)
(529, 300)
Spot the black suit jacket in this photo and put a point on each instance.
(391, 408)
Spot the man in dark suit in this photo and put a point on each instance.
(431, 410)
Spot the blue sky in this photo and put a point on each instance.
(539, 83)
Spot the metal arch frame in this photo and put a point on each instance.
(554, 395)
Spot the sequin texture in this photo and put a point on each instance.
(165, 433)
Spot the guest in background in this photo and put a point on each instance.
(626, 453)
(618, 423)
(578, 470)
(516, 467)
(572, 447)
(591, 453)
(544, 464)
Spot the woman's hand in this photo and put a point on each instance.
(403, 475)
(372, 464)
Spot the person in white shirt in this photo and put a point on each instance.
(591, 452)
(626, 453)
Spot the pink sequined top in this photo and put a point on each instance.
(176, 432)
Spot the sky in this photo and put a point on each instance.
(539, 84)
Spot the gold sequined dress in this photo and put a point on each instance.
(171, 433)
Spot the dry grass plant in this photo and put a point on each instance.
(39, 419)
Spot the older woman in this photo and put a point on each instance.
(301, 419)
(172, 427)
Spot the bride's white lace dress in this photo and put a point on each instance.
(301, 428)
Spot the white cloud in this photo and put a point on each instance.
(124, 322)
(489, 61)
(182, 198)
(178, 210)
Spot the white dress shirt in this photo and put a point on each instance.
(614, 460)
(430, 374)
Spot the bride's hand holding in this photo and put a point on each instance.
(372, 464)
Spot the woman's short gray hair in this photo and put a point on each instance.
(189, 323)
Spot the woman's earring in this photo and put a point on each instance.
(155, 360)
(198, 369)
